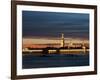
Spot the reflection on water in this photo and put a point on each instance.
(55, 60)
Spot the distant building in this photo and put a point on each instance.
(63, 43)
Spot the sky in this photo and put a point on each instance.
(52, 24)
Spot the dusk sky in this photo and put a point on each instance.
(52, 24)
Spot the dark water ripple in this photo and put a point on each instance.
(54, 60)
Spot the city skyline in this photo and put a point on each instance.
(55, 39)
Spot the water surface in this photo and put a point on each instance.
(54, 60)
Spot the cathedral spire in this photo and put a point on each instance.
(62, 35)
(62, 40)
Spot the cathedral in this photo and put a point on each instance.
(62, 40)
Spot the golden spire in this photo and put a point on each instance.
(62, 40)
(62, 35)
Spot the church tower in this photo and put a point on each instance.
(62, 40)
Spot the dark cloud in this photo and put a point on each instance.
(54, 23)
